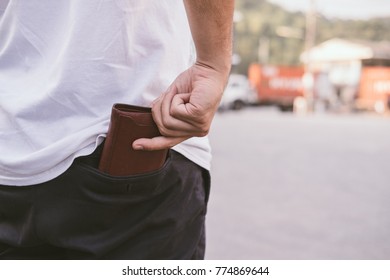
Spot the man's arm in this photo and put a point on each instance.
(187, 108)
(211, 28)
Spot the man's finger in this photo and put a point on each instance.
(157, 143)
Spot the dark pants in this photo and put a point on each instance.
(84, 214)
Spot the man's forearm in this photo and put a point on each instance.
(211, 26)
(188, 106)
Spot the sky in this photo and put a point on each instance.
(346, 9)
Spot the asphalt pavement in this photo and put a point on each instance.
(299, 187)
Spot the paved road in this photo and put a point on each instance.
(288, 187)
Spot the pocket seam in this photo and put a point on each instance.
(141, 176)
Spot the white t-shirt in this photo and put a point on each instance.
(63, 63)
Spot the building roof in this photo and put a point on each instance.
(337, 49)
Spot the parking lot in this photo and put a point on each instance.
(299, 187)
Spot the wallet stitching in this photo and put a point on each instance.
(112, 145)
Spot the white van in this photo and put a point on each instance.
(238, 93)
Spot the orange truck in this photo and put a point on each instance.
(374, 89)
(278, 85)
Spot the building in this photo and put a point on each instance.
(347, 65)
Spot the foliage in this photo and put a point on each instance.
(261, 20)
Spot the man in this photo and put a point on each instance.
(63, 64)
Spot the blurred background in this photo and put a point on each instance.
(301, 143)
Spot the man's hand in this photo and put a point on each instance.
(187, 108)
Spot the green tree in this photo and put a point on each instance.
(261, 20)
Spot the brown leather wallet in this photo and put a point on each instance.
(127, 124)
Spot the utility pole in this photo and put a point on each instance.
(264, 50)
(311, 22)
